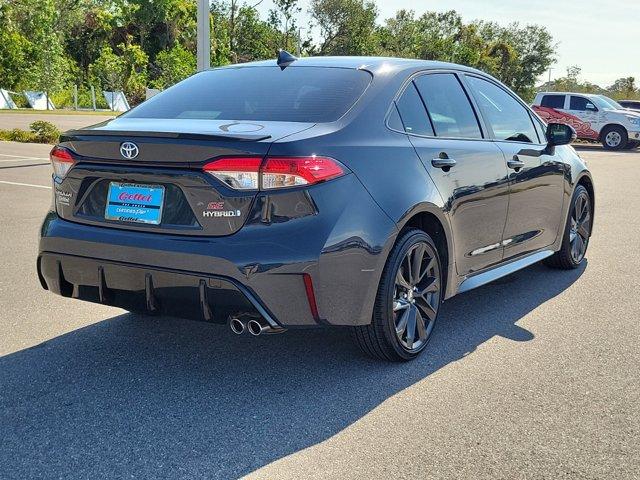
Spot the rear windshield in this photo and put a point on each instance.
(295, 94)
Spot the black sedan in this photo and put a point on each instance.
(358, 192)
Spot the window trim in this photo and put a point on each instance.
(518, 100)
(474, 107)
(586, 100)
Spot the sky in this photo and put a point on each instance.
(601, 37)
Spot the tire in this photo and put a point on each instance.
(632, 145)
(614, 137)
(407, 302)
(577, 232)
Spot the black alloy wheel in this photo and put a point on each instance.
(577, 232)
(580, 227)
(407, 303)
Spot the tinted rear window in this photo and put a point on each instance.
(295, 94)
(552, 101)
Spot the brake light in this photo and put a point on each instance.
(281, 172)
(61, 161)
(240, 173)
(251, 173)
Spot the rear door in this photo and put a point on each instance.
(468, 170)
(535, 171)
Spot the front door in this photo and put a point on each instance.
(587, 112)
(535, 171)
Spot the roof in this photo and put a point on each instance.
(372, 64)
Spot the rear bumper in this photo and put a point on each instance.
(139, 288)
(342, 248)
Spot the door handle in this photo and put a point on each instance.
(515, 163)
(443, 161)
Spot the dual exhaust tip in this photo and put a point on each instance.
(254, 326)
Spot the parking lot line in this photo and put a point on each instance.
(24, 184)
(18, 158)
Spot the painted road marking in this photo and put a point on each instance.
(20, 157)
(18, 160)
(24, 184)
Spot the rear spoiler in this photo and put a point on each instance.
(241, 137)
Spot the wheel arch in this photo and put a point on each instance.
(432, 221)
(586, 181)
(604, 130)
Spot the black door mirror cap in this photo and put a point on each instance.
(560, 134)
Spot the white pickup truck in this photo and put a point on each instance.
(594, 117)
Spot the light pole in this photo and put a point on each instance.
(203, 41)
(299, 46)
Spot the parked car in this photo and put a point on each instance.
(331, 191)
(631, 104)
(594, 117)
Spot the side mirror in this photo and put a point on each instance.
(560, 134)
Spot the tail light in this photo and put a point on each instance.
(61, 161)
(251, 173)
(239, 172)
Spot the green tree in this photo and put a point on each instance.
(126, 70)
(14, 52)
(35, 44)
(624, 88)
(87, 36)
(283, 19)
(173, 66)
(572, 83)
(240, 35)
(347, 27)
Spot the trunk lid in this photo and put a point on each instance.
(182, 141)
(169, 155)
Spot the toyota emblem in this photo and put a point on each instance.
(129, 150)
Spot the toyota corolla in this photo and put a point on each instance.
(353, 192)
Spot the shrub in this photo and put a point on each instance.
(18, 135)
(45, 132)
(41, 132)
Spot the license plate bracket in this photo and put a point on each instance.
(134, 203)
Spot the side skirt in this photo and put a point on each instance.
(502, 271)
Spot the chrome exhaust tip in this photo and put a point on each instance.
(237, 326)
(255, 328)
(258, 327)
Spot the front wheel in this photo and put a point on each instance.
(576, 233)
(407, 302)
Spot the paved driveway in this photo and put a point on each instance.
(536, 376)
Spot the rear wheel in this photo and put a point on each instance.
(576, 233)
(614, 137)
(407, 302)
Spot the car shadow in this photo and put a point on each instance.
(148, 397)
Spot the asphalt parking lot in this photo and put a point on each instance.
(536, 376)
(9, 121)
